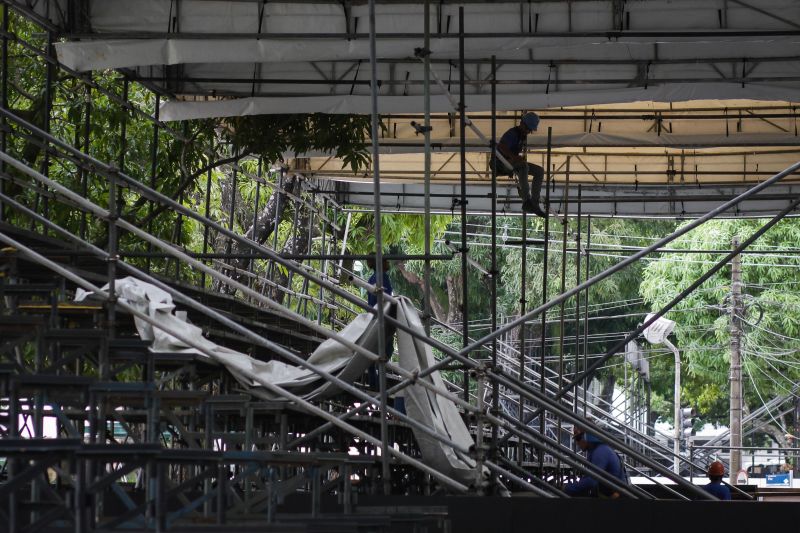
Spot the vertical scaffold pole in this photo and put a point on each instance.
(387, 485)
(576, 366)
(153, 168)
(123, 132)
(324, 264)
(232, 210)
(493, 453)
(83, 174)
(312, 211)
(4, 103)
(563, 287)
(206, 228)
(586, 309)
(279, 185)
(522, 310)
(737, 309)
(178, 232)
(462, 135)
(427, 104)
(251, 264)
(48, 106)
(123, 146)
(545, 257)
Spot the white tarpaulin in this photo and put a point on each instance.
(432, 410)
(360, 104)
(330, 356)
(288, 57)
(439, 414)
(126, 53)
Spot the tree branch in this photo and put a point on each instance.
(438, 311)
(181, 188)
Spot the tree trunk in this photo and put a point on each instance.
(296, 244)
(436, 306)
(273, 210)
(267, 219)
(454, 300)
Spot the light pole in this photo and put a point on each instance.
(657, 333)
(736, 365)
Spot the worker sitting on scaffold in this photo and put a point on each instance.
(510, 147)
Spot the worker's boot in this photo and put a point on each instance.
(531, 205)
(521, 173)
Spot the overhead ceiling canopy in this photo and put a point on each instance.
(666, 94)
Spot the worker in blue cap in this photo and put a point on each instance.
(510, 147)
(603, 457)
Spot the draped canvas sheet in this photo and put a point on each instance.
(330, 356)
(434, 411)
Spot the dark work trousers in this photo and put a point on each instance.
(522, 171)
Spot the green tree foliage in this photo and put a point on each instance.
(623, 286)
(273, 136)
(771, 363)
(184, 161)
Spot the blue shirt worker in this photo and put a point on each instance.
(603, 457)
(510, 147)
(716, 471)
(372, 300)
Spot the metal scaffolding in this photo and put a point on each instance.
(98, 431)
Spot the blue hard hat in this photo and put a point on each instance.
(531, 121)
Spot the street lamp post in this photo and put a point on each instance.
(676, 446)
(657, 333)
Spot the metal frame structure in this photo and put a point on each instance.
(157, 441)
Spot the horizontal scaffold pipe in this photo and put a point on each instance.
(593, 115)
(624, 249)
(479, 83)
(609, 35)
(586, 113)
(399, 174)
(295, 257)
(67, 274)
